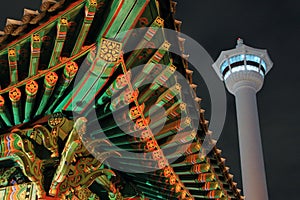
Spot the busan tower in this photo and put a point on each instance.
(243, 70)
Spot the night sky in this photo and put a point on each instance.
(271, 25)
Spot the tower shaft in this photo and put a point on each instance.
(243, 70)
(252, 164)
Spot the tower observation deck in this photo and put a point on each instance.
(243, 70)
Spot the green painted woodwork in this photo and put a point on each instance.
(25, 191)
(62, 28)
(70, 71)
(21, 151)
(114, 8)
(31, 89)
(15, 97)
(3, 112)
(90, 10)
(47, 25)
(36, 44)
(13, 57)
(90, 33)
(130, 22)
(152, 30)
(49, 83)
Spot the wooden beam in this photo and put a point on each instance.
(49, 84)
(90, 10)
(13, 65)
(62, 28)
(35, 48)
(4, 115)
(15, 97)
(152, 30)
(70, 71)
(31, 89)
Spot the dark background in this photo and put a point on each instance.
(271, 25)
